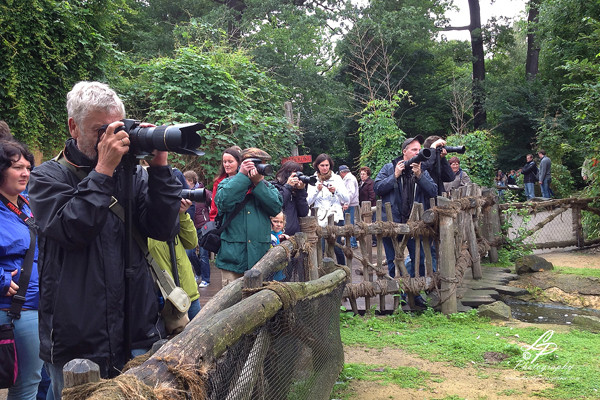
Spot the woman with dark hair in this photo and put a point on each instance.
(294, 194)
(15, 239)
(328, 195)
(230, 163)
(367, 193)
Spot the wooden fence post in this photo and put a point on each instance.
(447, 262)
(577, 225)
(80, 371)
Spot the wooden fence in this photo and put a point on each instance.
(465, 226)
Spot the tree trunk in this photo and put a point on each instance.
(479, 113)
(533, 49)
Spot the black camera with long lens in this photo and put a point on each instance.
(196, 195)
(423, 155)
(179, 138)
(263, 169)
(307, 180)
(455, 149)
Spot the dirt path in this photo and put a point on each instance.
(468, 383)
(589, 258)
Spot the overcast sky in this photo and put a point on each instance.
(504, 8)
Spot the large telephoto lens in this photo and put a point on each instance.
(180, 138)
(423, 155)
(196, 195)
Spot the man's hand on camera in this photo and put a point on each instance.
(416, 167)
(111, 148)
(249, 169)
(185, 204)
(159, 159)
(399, 169)
(439, 143)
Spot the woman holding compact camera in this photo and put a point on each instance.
(328, 195)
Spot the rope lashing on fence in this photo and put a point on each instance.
(361, 289)
(309, 226)
(190, 379)
(416, 285)
(445, 294)
(285, 294)
(420, 228)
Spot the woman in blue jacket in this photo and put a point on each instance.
(15, 166)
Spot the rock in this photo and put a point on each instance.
(496, 310)
(587, 322)
(531, 263)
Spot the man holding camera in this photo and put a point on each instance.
(530, 176)
(92, 305)
(402, 185)
(248, 236)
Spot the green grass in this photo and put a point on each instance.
(403, 377)
(462, 339)
(589, 272)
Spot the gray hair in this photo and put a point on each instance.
(92, 96)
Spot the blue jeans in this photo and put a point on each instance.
(195, 261)
(350, 211)
(201, 263)
(56, 376)
(529, 190)
(27, 341)
(390, 254)
(194, 309)
(546, 192)
(204, 265)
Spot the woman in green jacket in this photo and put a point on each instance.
(187, 238)
(248, 236)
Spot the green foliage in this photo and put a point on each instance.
(518, 240)
(380, 137)
(224, 90)
(47, 46)
(479, 160)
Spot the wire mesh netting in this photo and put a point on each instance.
(298, 354)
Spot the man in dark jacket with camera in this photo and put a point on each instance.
(402, 185)
(530, 176)
(91, 306)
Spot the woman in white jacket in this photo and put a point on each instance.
(328, 195)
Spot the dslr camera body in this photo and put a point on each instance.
(307, 180)
(263, 169)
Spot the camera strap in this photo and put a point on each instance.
(165, 282)
(18, 299)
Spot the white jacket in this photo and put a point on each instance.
(327, 202)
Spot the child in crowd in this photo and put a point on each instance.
(277, 235)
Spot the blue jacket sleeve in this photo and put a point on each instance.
(427, 185)
(384, 182)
